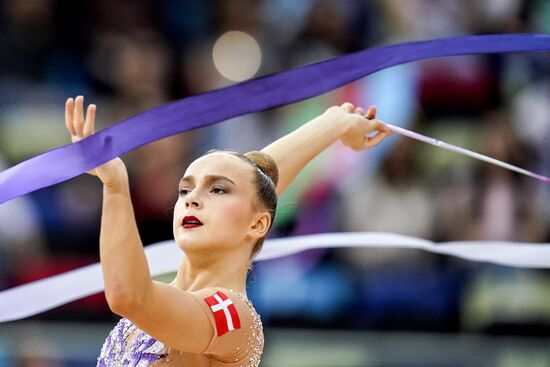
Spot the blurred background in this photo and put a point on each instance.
(346, 307)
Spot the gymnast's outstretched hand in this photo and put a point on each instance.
(80, 127)
(358, 125)
(351, 125)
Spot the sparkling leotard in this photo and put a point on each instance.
(127, 345)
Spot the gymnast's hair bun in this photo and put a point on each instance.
(265, 163)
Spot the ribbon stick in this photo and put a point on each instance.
(163, 258)
(266, 92)
(466, 152)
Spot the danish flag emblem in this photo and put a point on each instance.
(225, 313)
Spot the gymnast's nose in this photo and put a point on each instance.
(192, 200)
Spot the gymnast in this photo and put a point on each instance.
(225, 208)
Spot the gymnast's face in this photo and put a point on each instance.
(216, 207)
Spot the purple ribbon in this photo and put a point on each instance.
(255, 95)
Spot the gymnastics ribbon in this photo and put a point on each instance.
(255, 95)
(163, 258)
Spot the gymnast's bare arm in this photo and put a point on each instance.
(348, 123)
(171, 315)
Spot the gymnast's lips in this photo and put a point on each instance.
(190, 221)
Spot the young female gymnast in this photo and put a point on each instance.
(224, 210)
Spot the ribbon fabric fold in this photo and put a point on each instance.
(164, 257)
(255, 95)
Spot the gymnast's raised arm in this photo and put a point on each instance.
(171, 315)
(123, 262)
(348, 123)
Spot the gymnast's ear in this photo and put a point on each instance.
(260, 225)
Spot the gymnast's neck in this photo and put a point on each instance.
(217, 269)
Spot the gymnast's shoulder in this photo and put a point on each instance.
(238, 331)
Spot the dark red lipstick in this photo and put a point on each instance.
(190, 221)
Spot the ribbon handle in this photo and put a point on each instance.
(466, 152)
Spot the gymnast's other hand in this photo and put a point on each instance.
(80, 127)
(357, 126)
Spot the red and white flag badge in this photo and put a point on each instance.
(225, 313)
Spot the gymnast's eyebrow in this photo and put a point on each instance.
(208, 179)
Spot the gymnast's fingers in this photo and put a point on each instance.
(69, 106)
(371, 141)
(360, 111)
(78, 115)
(348, 107)
(379, 125)
(371, 112)
(90, 120)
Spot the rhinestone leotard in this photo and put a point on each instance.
(127, 345)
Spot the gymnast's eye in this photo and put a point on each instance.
(183, 192)
(218, 190)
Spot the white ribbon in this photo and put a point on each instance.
(163, 257)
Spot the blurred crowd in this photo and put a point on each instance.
(129, 56)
